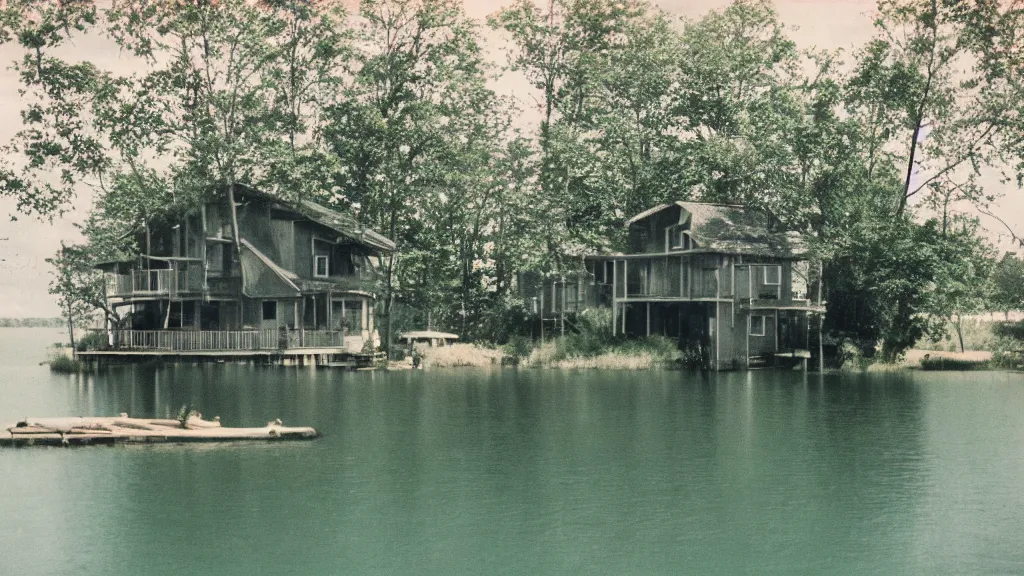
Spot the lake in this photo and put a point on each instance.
(521, 472)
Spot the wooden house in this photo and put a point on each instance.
(299, 278)
(722, 279)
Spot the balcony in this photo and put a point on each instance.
(171, 282)
(672, 279)
(364, 281)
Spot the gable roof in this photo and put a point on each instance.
(732, 229)
(262, 277)
(341, 222)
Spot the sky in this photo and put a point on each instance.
(26, 243)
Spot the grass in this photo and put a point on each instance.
(461, 355)
(581, 351)
(954, 364)
(63, 364)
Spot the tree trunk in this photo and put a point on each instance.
(960, 332)
(919, 116)
(71, 335)
(234, 217)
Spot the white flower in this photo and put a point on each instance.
(404, 149)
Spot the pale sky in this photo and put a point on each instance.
(24, 244)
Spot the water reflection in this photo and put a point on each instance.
(470, 472)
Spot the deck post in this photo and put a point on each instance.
(748, 339)
(615, 297)
(648, 319)
(624, 305)
(542, 310)
(718, 330)
(776, 330)
(302, 320)
(330, 311)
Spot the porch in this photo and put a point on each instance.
(251, 340)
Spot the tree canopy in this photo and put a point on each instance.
(390, 111)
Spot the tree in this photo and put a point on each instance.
(965, 263)
(417, 138)
(55, 147)
(1006, 288)
(79, 287)
(951, 72)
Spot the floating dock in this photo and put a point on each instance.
(124, 430)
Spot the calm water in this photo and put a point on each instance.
(531, 472)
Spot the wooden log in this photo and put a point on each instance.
(195, 422)
(85, 431)
(137, 424)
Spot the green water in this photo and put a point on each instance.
(529, 472)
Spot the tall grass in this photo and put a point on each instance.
(460, 355)
(61, 361)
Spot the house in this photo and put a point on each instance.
(299, 277)
(722, 279)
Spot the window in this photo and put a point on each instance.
(772, 275)
(320, 266)
(757, 325)
(270, 309)
(680, 239)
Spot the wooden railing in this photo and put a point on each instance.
(165, 282)
(225, 340)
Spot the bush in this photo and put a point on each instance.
(1008, 349)
(63, 364)
(92, 341)
(519, 347)
(954, 364)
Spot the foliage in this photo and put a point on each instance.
(79, 288)
(32, 323)
(184, 413)
(1006, 287)
(962, 276)
(389, 113)
(64, 364)
(519, 347)
(955, 364)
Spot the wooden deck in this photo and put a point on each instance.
(124, 430)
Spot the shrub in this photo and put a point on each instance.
(92, 341)
(63, 364)
(954, 364)
(519, 347)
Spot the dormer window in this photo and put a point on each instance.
(680, 239)
(320, 266)
(772, 275)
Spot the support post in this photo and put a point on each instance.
(821, 321)
(776, 330)
(615, 298)
(718, 330)
(329, 313)
(648, 319)
(542, 311)
(748, 340)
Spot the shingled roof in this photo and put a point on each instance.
(343, 223)
(732, 229)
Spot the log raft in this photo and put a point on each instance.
(81, 431)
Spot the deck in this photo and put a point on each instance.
(314, 347)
